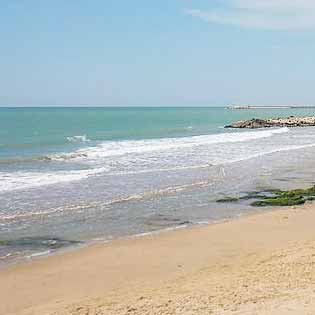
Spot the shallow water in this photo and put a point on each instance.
(74, 175)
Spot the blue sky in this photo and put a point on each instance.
(157, 53)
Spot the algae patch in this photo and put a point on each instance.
(228, 199)
(275, 197)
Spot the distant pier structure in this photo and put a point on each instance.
(268, 107)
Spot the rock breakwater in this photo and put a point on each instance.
(291, 121)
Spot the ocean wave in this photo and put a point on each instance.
(260, 154)
(39, 254)
(134, 157)
(228, 160)
(82, 138)
(119, 148)
(10, 181)
(63, 156)
(27, 180)
(159, 192)
(52, 211)
(165, 169)
(51, 157)
(92, 205)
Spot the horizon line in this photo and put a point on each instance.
(159, 106)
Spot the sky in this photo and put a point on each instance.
(157, 53)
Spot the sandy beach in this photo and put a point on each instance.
(157, 157)
(259, 264)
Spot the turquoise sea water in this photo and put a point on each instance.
(70, 175)
(39, 129)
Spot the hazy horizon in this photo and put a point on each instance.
(159, 106)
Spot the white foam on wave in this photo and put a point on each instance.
(24, 180)
(228, 160)
(63, 156)
(39, 254)
(86, 206)
(82, 138)
(139, 156)
(158, 192)
(157, 232)
(6, 256)
(118, 148)
(283, 149)
(52, 211)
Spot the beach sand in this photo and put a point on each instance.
(258, 264)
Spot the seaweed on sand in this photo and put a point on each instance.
(276, 197)
(228, 199)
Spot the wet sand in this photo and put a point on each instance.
(259, 264)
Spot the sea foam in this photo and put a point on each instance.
(82, 138)
(118, 148)
(138, 156)
(24, 180)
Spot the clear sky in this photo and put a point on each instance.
(157, 53)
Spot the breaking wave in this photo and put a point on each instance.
(118, 148)
(82, 138)
(10, 181)
(142, 156)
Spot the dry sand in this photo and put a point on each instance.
(260, 264)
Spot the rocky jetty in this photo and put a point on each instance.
(291, 121)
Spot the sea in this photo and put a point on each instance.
(74, 176)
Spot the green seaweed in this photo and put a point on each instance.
(272, 190)
(253, 195)
(276, 197)
(279, 201)
(227, 199)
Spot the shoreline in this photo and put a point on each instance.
(83, 244)
(46, 254)
(113, 276)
